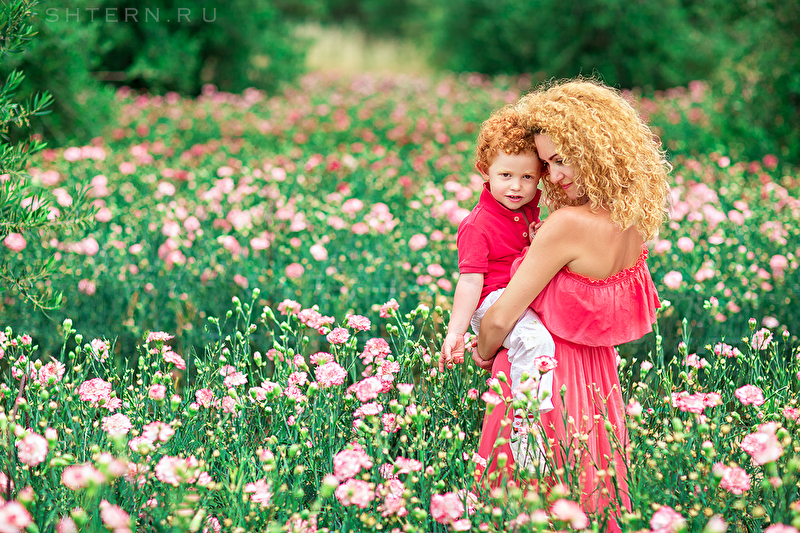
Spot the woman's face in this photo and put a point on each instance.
(559, 173)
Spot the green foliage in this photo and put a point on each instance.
(627, 43)
(23, 210)
(758, 83)
(165, 46)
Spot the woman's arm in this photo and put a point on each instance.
(557, 243)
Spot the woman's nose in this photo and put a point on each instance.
(555, 176)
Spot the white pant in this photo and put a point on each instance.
(527, 340)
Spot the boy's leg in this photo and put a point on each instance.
(528, 340)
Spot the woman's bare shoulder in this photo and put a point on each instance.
(570, 221)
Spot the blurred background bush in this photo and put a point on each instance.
(747, 50)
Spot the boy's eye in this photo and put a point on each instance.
(527, 177)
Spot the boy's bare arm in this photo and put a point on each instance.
(465, 301)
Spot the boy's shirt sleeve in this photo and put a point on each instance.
(473, 250)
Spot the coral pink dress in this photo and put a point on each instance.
(587, 318)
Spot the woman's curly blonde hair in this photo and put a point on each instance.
(618, 161)
(505, 131)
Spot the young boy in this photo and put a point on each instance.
(489, 239)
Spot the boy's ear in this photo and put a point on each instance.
(482, 171)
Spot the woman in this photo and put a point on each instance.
(586, 276)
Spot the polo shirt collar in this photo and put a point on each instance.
(489, 202)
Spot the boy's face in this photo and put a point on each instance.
(513, 178)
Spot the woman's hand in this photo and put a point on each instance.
(485, 364)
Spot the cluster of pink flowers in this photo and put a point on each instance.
(763, 445)
(98, 392)
(695, 403)
(176, 470)
(312, 318)
(80, 476)
(726, 350)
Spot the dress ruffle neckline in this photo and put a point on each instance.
(607, 312)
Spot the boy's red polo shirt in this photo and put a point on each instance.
(491, 237)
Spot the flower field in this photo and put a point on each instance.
(249, 327)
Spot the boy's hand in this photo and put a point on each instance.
(453, 350)
(533, 228)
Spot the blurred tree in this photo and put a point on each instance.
(759, 80)
(22, 209)
(627, 43)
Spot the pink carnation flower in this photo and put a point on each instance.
(175, 359)
(117, 425)
(545, 363)
(234, 379)
(358, 322)
(114, 517)
(95, 390)
(158, 336)
(81, 476)
(14, 517)
(338, 336)
(330, 374)
(320, 358)
(51, 373)
(569, 511)
(666, 520)
(763, 445)
(735, 480)
(157, 392)
(32, 449)
(750, 394)
(389, 308)
(349, 462)
(446, 508)
(204, 397)
(368, 389)
(260, 491)
(355, 492)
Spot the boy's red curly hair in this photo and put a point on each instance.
(503, 130)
